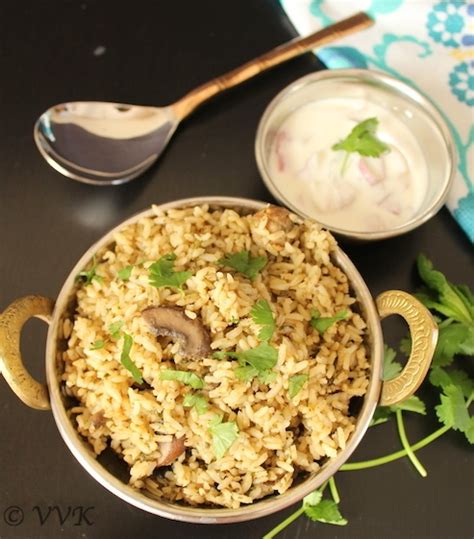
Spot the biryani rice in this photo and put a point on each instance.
(279, 437)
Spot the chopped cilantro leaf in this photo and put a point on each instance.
(126, 360)
(115, 329)
(125, 273)
(296, 383)
(245, 263)
(97, 345)
(185, 377)
(87, 276)
(223, 436)
(194, 400)
(161, 273)
(262, 315)
(321, 324)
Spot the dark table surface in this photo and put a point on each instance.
(155, 52)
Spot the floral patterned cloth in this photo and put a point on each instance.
(430, 45)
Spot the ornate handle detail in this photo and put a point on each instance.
(12, 320)
(193, 99)
(424, 336)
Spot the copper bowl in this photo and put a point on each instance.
(44, 397)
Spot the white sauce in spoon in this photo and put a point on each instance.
(370, 194)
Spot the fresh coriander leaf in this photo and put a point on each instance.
(457, 338)
(197, 401)
(87, 276)
(223, 436)
(410, 404)
(161, 273)
(296, 383)
(115, 329)
(216, 420)
(267, 376)
(441, 378)
(124, 273)
(405, 345)
(391, 368)
(453, 410)
(448, 294)
(185, 377)
(97, 345)
(262, 315)
(321, 324)
(246, 373)
(263, 357)
(434, 305)
(470, 431)
(313, 498)
(220, 355)
(245, 263)
(466, 296)
(258, 361)
(126, 360)
(325, 511)
(362, 140)
(381, 415)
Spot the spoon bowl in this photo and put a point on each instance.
(112, 143)
(103, 143)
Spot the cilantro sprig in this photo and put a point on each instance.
(161, 273)
(362, 140)
(262, 315)
(316, 508)
(244, 263)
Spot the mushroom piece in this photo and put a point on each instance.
(173, 322)
(98, 419)
(170, 451)
(277, 218)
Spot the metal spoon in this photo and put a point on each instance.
(111, 143)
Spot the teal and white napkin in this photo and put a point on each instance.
(429, 45)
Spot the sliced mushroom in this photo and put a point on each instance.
(98, 419)
(170, 451)
(173, 322)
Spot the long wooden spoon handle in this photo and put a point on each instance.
(297, 46)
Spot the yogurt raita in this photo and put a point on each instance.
(344, 190)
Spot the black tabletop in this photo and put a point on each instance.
(148, 52)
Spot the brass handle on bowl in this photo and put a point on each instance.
(424, 336)
(297, 46)
(12, 320)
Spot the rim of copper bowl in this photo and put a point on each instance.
(84, 454)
